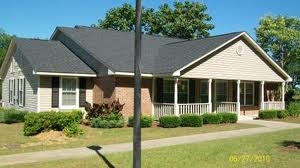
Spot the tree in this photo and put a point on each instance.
(279, 36)
(4, 43)
(183, 20)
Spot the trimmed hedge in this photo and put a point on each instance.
(228, 117)
(38, 122)
(191, 120)
(11, 115)
(72, 130)
(282, 114)
(146, 121)
(267, 114)
(212, 118)
(169, 121)
(108, 121)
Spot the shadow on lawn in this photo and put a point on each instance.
(294, 144)
(97, 148)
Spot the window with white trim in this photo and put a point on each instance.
(247, 93)
(12, 65)
(183, 91)
(203, 91)
(221, 91)
(11, 91)
(21, 91)
(69, 93)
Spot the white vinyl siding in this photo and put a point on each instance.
(11, 91)
(227, 64)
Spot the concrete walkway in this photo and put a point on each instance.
(269, 126)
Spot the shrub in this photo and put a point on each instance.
(191, 120)
(99, 110)
(72, 130)
(169, 121)
(12, 115)
(146, 121)
(38, 122)
(108, 121)
(282, 114)
(228, 117)
(293, 109)
(267, 114)
(211, 118)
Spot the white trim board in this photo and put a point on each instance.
(64, 74)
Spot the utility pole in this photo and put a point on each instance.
(137, 87)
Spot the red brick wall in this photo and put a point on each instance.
(125, 93)
(104, 89)
(249, 110)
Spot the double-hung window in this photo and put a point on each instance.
(247, 93)
(11, 84)
(221, 91)
(69, 92)
(168, 90)
(203, 92)
(21, 91)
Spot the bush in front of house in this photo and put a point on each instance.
(11, 115)
(212, 118)
(191, 120)
(169, 121)
(146, 121)
(228, 117)
(293, 109)
(103, 109)
(72, 130)
(37, 122)
(108, 121)
(282, 114)
(267, 114)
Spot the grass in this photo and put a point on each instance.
(291, 120)
(205, 154)
(13, 141)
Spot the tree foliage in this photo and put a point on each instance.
(182, 20)
(4, 43)
(280, 37)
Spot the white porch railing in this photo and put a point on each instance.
(274, 105)
(193, 108)
(226, 107)
(162, 109)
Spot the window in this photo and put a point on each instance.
(12, 66)
(203, 92)
(247, 93)
(168, 91)
(21, 91)
(221, 91)
(11, 90)
(69, 92)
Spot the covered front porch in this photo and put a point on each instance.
(177, 96)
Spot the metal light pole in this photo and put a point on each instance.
(137, 87)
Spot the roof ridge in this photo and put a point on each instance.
(187, 40)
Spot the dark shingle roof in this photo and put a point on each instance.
(115, 49)
(51, 56)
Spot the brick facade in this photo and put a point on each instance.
(107, 89)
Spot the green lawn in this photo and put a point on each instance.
(291, 120)
(205, 154)
(13, 141)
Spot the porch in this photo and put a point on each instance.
(177, 96)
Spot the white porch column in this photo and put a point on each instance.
(282, 94)
(153, 95)
(238, 99)
(209, 95)
(262, 94)
(176, 112)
